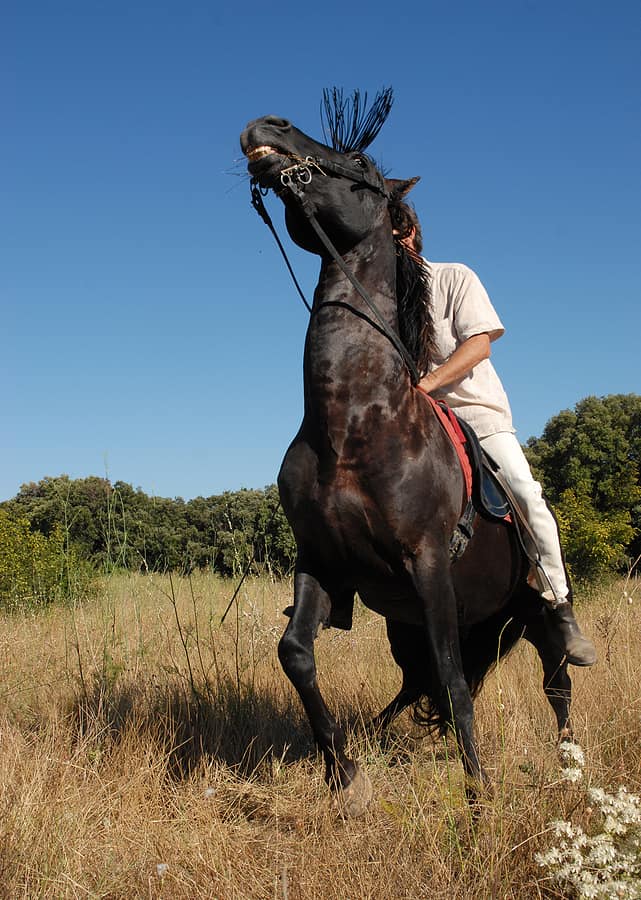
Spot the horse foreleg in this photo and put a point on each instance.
(557, 684)
(451, 693)
(296, 653)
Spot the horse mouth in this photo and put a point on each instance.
(254, 154)
(265, 163)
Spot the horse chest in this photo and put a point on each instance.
(347, 531)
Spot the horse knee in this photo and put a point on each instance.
(296, 659)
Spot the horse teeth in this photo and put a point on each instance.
(259, 152)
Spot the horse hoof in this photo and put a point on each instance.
(478, 789)
(565, 734)
(353, 800)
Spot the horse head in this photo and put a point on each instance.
(336, 199)
(344, 190)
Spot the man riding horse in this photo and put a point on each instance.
(371, 484)
(461, 374)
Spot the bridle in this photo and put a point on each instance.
(294, 179)
(301, 173)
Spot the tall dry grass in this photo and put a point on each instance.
(146, 751)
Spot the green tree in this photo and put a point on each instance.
(278, 552)
(239, 537)
(589, 463)
(78, 506)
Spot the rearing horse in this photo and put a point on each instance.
(371, 484)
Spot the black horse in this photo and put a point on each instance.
(371, 484)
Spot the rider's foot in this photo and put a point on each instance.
(580, 651)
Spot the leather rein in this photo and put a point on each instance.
(294, 178)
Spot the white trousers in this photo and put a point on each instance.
(505, 450)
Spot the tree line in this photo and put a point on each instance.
(588, 460)
(117, 526)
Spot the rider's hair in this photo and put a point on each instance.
(404, 218)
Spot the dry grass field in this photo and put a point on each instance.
(147, 751)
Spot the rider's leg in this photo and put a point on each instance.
(506, 451)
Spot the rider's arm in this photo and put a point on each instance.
(460, 363)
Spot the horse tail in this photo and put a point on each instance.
(486, 645)
(483, 646)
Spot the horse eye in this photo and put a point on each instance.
(361, 161)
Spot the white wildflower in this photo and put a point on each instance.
(572, 775)
(161, 869)
(589, 890)
(605, 866)
(566, 829)
(572, 753)
(550, 858)
(601, 853)
(613, 825)
(622, 807)
(622, 889)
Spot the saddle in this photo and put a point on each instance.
(487, 494)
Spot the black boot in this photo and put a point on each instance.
(579, 650)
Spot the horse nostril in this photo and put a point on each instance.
(277, 122)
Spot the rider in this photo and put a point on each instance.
(461, 374)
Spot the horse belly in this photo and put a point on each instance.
(391, 599)
(488, 572)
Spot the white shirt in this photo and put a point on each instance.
(461, 308)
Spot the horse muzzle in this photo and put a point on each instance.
(268, 143)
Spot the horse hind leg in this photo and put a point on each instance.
(408, 647)
(296, 653)
(557, 684)
(384, 719)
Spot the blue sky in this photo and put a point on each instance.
(150, 330)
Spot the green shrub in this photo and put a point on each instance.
(37, 569)
(594, 542)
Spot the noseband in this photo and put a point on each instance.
(295, 178)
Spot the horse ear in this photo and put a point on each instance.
(398, 188)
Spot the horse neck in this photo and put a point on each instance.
(346, 352)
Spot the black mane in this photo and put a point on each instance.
(413, 297)
(413, 292)
(352, 128)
